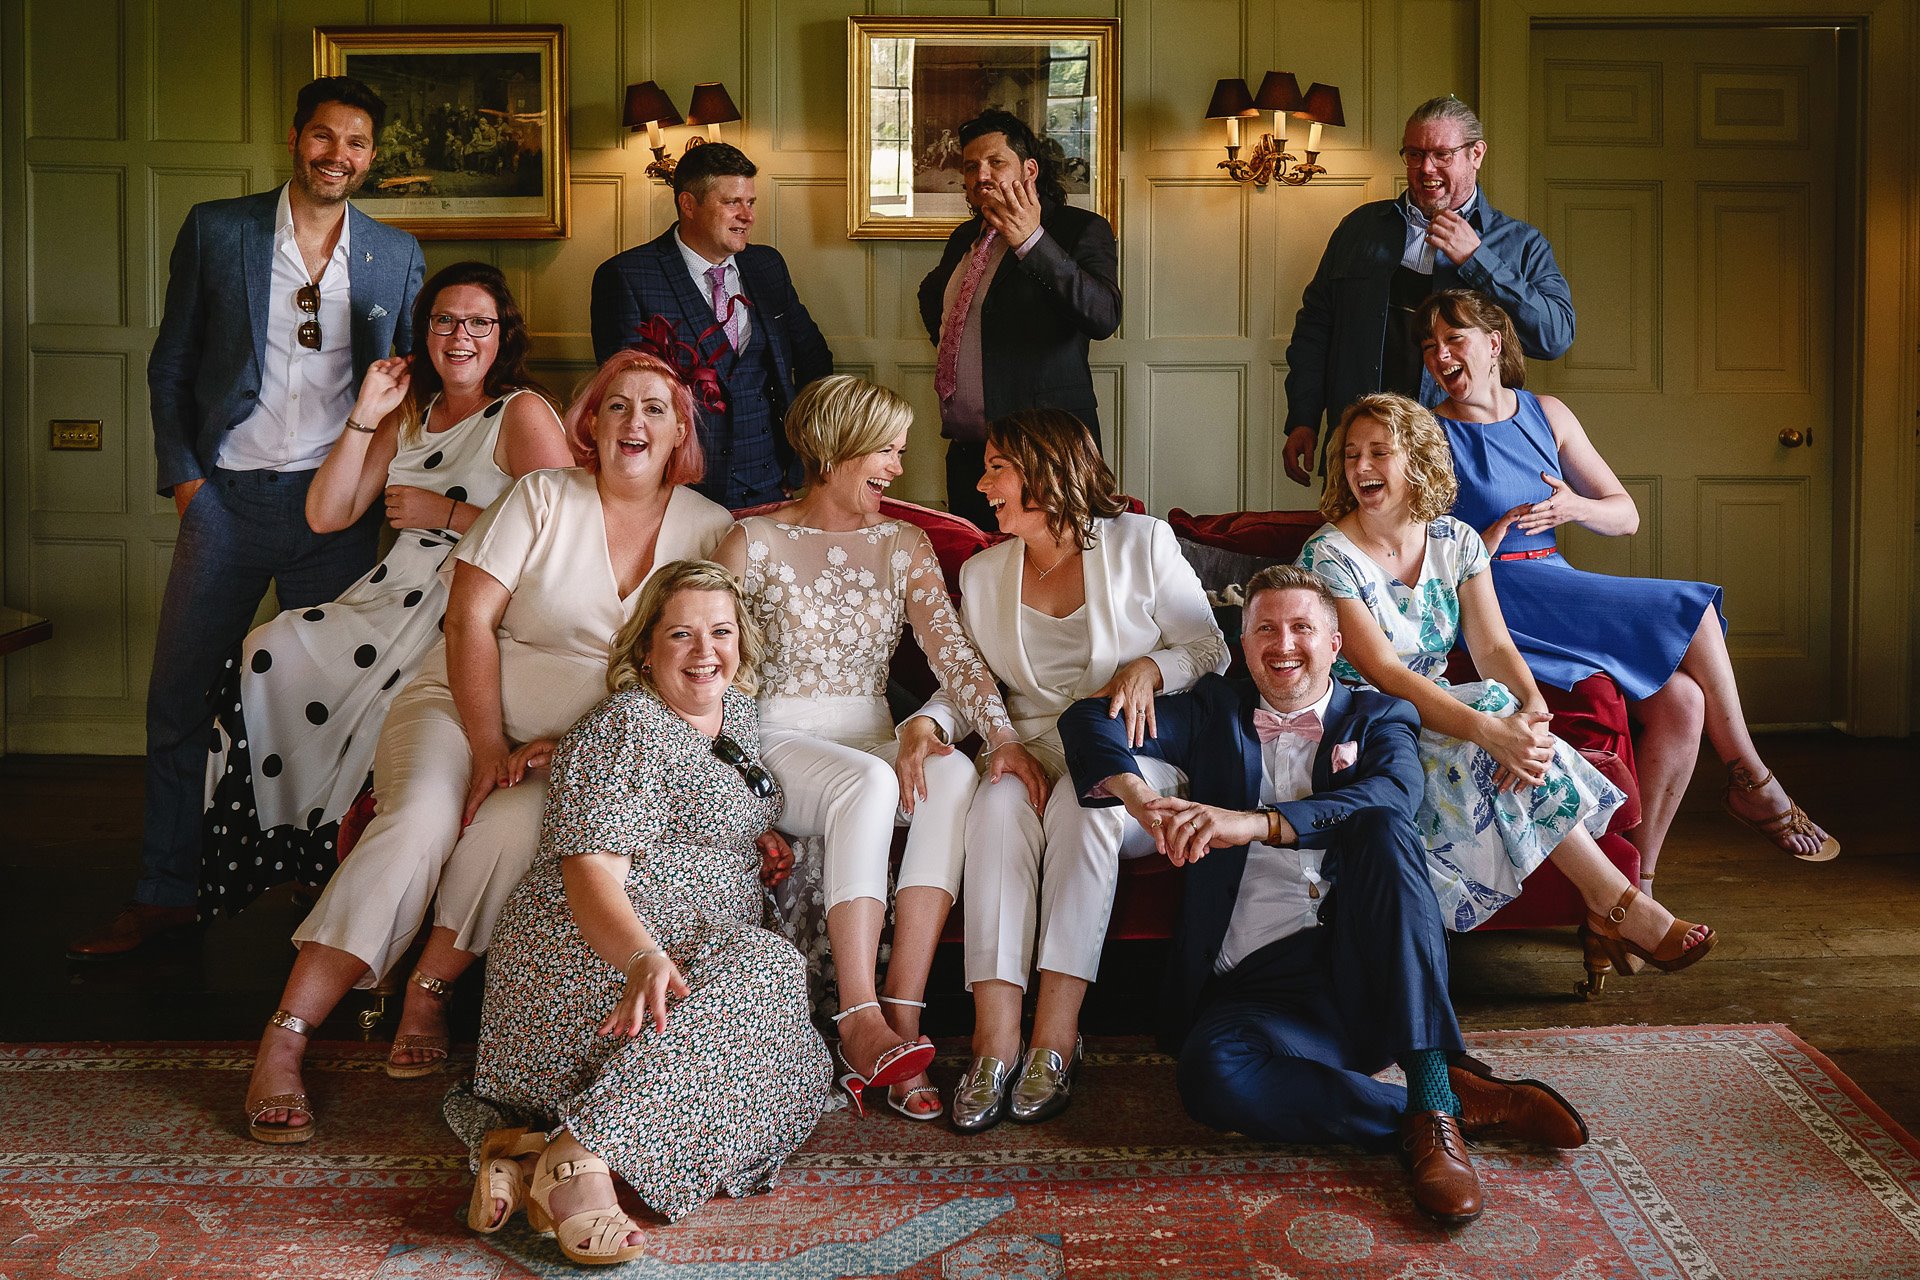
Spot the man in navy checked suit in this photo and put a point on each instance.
(702, 275)
(1309, 953)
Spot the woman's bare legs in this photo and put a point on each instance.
(424, 1012)
(582, 1193)
(1665, 751)
(919, 913)
(1056, 1012)
(996, 1019)
(321, 975)
(1601, 887)
(853, 931)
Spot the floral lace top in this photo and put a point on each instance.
(832, 606)
(1421, 621)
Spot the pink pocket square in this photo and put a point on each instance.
(1345, 755)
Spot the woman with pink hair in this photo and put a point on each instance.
(541, 583)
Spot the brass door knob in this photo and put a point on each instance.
(1794, 437)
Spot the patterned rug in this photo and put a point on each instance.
(1717, 1152)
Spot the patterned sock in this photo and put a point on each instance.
(1427, 1087)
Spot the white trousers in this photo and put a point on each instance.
(414, 853)
(834, 759)
(1047, 878)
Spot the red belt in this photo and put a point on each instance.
(1538, 553)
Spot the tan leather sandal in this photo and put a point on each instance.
(501, 1176)
(605, 1229)
(1782, 827)
(434, 1047)
(282, 1133)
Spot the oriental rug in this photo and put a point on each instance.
(1732, 1151)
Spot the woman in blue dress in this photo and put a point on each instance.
(1502, 793)
(1525, 466)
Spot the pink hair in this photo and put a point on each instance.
(688, 463)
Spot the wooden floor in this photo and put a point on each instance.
(1832, 951)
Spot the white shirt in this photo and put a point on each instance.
(1058, 649)
(305, 395)
(1419, 253)
(698, 267)
(1280, 889)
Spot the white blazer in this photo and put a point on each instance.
(1143, 599)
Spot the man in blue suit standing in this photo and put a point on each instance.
(276, 305)
(733, 301)
(1309, 952)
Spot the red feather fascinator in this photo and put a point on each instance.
(658, 337)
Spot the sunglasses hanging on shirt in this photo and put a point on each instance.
(307, 298)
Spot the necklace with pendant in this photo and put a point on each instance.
(1040, 575)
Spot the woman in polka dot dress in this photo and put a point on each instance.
(303, 705)
(633, 999)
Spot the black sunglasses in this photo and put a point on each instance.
(758, 780)
(307, 298)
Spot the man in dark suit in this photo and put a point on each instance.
(736, 303)
(276, 305)
(1022, 288)
(1309, 952)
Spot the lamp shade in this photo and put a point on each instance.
(711, 105)
(1323, 105)
(647, 102)
(1279, 92)
(1231, 101)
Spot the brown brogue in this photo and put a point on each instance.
(1445, 1187)
(1524, 1110)
(136, 925)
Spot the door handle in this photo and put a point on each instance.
(1794, 437)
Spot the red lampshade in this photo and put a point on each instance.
(1279, 92)
(648, 102)
(1231, 101)
(1323, 104)
(711, 105)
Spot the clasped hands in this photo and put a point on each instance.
(1184, 830)
(1521, 746)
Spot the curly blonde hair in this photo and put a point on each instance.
(1417, 434)
(840, 417)
(626, 664)
(1061, 470)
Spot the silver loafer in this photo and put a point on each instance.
(1045, 1085)
(980, 1099)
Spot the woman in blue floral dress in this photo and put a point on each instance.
(1502, 794)
(632, 997)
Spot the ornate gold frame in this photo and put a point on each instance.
(1103, 196)
(474, 217)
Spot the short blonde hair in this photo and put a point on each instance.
(1417, 434)
(841, 417)
(1291, 577)
(627, 663)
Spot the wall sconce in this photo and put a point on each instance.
(711, 106)
(649, 107)
(1280, 94)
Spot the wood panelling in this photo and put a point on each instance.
(76, 70)
(1614, 104)
(1634, 557)
(210, 36)
(1606, 236)
(1195, 441)
(1753, 537)
(1197, 258)
(836, 280)
(170, 193)
(78, 216)
(80, 583)
(1740, 106)
(1753, 262)
(89, 385)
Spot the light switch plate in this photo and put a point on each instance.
(72, 433)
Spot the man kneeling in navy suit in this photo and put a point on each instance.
(1309, 953)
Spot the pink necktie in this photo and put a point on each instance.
(946, 373)
(724, 305)
(1270, 725)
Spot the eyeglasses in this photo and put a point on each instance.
(1440, 155)
(758, 780)
(307, 298)
(478, 326)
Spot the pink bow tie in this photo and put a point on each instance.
(1270, 725)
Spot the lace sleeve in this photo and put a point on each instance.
(962, 673)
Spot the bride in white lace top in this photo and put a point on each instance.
(833, 584)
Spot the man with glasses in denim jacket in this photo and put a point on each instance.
(1354, 331)
(276, 305)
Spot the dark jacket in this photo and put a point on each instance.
(1040, 311)
(1208, 732)
(1335, 355)
(203, 377)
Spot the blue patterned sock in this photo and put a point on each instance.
(1427, 1087)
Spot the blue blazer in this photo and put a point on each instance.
(651, 279)
(204, 374)
(1208, 732)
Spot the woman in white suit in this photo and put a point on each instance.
(1085, 600)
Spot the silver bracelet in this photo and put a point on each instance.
(626, 970)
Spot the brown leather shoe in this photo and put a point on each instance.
(1525, 1110)
(1434, 1150)
(135, 926)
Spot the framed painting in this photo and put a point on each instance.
(475, 143)
(912, 82)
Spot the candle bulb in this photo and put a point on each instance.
(713, 132)
(1233, 132)
(1280, 123)
(1313, 139)
(653, 134)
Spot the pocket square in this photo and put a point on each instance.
(377, 312)
(1345, 755)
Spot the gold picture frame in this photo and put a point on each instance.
(475, 145)
(912, 82)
